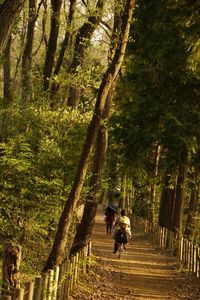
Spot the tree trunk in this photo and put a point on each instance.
(154, 184)
(64, 46)
(108, 80)
(167, 203)
(192, 214)
(52, 43)
(82, 41)
(179, 198)
(7, 99)
(27, 55)
(9, 10)
(84, 231)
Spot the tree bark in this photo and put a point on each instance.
(192, 214)
(27, 55)
(82, 41)
(7, 99)
(179, 198)
(85, 228)
(167, 203)
(52, 43)
(64, 46)
(9, 10)
(108, 80)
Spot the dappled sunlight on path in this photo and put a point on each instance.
(141, 269)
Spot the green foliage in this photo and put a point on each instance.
(38, 159)
(158, 98)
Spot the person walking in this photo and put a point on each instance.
(109, 218)
(122, 231)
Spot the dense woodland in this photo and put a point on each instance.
(82, 122)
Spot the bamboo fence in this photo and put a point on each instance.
(186, 251)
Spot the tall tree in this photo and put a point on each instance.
(82, 41)
(52, 42)
(9, 10)
(27, 55)
(85, 228)
(108, 80)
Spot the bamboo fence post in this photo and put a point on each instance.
(159, 229)
(45, 285)
(190, 256)
(194, 258)
(61, 280)
(6, 297)
(185, 251)
(55, 282)
(29, 288)
(89, 250)
(37, 288)
(18, 294)
(198, 262)
(84, 259)
(181, 250)
(50, 284)
(70, 280)
(162, 236)
(171, 241)
(76, 268)
(65, 289)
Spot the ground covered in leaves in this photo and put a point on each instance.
(144, 272)
(105, 282)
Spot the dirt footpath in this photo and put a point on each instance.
(143, 272)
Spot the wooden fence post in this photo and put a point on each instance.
(29, 288)
(55, 282)
(37, 288)
(197, 261)
(76, 268)
(18, 294)
(89, 250)
(45, 285)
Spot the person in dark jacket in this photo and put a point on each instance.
(109, 218)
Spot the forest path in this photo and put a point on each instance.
(144, 271)
(148, 275)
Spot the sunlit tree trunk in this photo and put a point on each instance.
(84, 230)
(154, 184)
(64, 46)
(82, 41)
(9, 11)
(7, 95)
(27, 55)
(108, 80)
(52, 42)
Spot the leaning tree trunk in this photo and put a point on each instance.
(108, 80)
(52, 43)
(9, 10)
(85, 228)
(27, 55)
